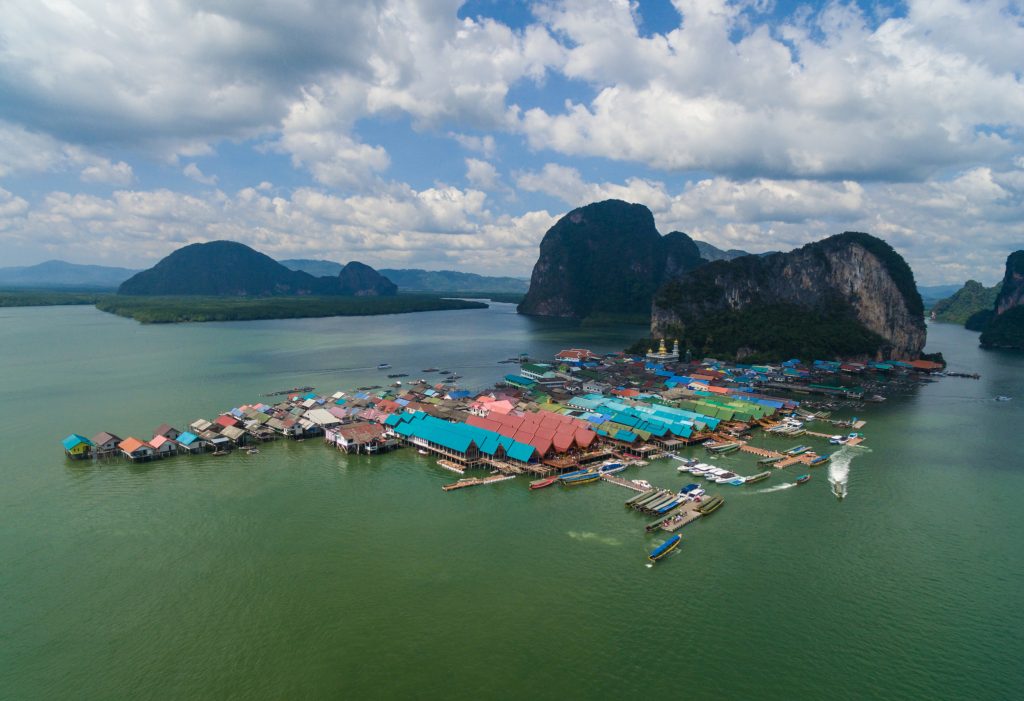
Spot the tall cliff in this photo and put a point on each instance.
(845, 296)
(1006, 327)
(605, 259)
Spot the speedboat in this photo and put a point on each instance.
(383, 366)
(610, 468)
(726, 477)
(689, 488)
(837, 440)
(1003, 398)
(803, 479)
(665, 548)
(737, 481)
(697, 493)
(643, 484)
(421, 451)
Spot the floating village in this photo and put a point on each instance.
(576, 419)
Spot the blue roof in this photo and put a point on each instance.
(519, 380)
(75, 439)
(521, 452)
(460, 436)
(187, 438)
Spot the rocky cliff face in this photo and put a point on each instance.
(605, 259)
(1005, 329)
(847, 295)
(1012, 293)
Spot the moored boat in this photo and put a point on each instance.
(710, 505)
(803, 479)
(610, 468)
(580, 479)
(797, 450)
(769, 460)
(820, 460)
(541, 483)
(758, 477)
(665, 548)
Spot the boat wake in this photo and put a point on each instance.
(776, 488)
(839, 468)
(594, 537)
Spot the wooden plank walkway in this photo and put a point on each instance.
(628, 484)
(762, 452)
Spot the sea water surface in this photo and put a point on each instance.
(304, 573)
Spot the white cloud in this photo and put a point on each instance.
(192, 171)
(104, 171)
(831, 98)
(485, 145)
(482, 174)
(440, 226)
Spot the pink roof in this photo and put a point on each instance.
(501, 406)
(159, 441)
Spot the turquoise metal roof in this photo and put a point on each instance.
(75, 439)
(187, 438)
(522, 452)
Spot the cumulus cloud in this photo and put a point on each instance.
(752, 129)
(193, 172)
(948, 230)
(828, 97)
(434, 227)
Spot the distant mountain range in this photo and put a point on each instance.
(58, 274)
(230, 269)
(709, 252)
(414, 279)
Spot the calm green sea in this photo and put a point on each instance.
(304, 573)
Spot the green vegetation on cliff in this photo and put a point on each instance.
(165, 310)
(1005, 330)
(972, 298)
(770, 332)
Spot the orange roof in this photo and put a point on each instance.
(130, 445)
(925, 365)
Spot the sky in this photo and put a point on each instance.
(442, 134)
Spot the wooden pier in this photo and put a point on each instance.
(761, 452)
(681, 519)
(628, 484)
(475, 481)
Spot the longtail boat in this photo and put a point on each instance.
(758, 477)
(541, 483)
(803, 479)
(710, 505)
(580, 479)
(665, 548)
